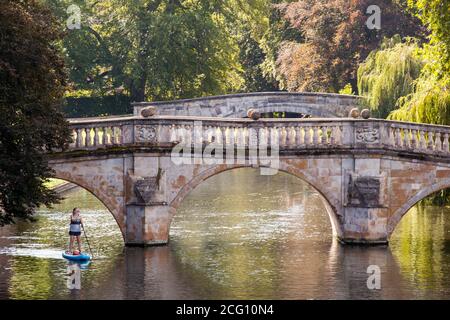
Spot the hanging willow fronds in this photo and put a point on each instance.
(389, 74)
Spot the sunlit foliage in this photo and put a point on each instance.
(389, 74)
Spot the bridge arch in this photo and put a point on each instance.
(322, 105)
(422, 194)
(327, 199)
(104, 198)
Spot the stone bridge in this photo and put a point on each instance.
(369, 173)
(324, 105)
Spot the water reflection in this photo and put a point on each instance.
(237, 236)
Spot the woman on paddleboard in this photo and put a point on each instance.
(76, 223)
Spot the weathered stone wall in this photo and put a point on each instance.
(229, 106)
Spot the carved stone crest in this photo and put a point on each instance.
(145, 134)
(146, 189)
(364, 191)
(367, 135)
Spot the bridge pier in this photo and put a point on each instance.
(147, 225)
(364, 226)
(365, 202)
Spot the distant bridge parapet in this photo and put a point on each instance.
(322, 105)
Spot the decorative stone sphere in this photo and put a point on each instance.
(148, 112)
(354, 113)
(365, 114)
(253, 114)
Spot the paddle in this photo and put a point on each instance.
(87, 240)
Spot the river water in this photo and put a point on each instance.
(239, 235)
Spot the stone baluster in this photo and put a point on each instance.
(390, 136)
(438, 142)
(298, 135)
(180, 133)
(115, 135)
(407, 138)
(398, 138)
(273, 136)
(121, 137)
(207, 134)
(430, 144)
(324, 136)
(111, 135)
(445, 143)
(337, 134)
(288, 136)
(232, 136)
(332, 139)
(79, 143)
(216, 134)
(307, 136)
(73, 144)
(282, 135)
(101, 136)
(262, 137)
(413, 138)
(238, 137)
(422, 142)
(87, 138)
(189, 134)
(212, 134)
(172, 133)
(223, 136)
(315, 135)
(96, 136)
(245, 136)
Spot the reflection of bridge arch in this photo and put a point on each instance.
(327, 198)
(323, 105)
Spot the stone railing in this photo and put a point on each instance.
(417, 137)
(236, 105)
(89, 134)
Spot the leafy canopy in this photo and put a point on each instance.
(32, 83)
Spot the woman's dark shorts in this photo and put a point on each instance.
(76, 234)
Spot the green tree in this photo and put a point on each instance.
(389, 74)
(251, 58)
(32, 83)
(158, 49)
(430, 100)
(336, 41)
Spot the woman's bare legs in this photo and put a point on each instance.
(71, 244)
(79, 243)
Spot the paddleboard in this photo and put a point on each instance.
(80, 257)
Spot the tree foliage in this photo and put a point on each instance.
(32, 81)
(251, 58)
(388, 74)
(430, 100)
(336, 40)
(159, 49)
